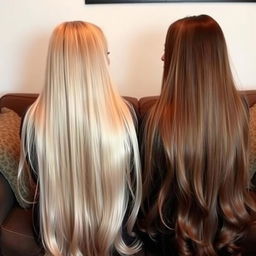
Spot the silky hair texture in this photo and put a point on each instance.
(196, 146)
(79, 137)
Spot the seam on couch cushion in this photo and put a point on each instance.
(14, 232)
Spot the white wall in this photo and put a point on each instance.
(135, 34)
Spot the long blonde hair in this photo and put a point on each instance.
(196, 145)
(80, 137)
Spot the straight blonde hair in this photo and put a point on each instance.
(79, 137)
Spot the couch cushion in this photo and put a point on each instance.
(7, 198)
(17, 236)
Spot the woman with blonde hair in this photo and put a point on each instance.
(80, 141)
(195, 181)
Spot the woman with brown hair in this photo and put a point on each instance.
(195, 147)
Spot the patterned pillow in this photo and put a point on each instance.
(10, 153)
(252, 140)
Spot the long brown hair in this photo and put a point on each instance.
(195, 143)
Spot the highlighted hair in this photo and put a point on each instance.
(87, 156)
(198, 130)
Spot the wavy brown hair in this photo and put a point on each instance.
(196, 145)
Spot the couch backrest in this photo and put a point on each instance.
(146, 103)
(19, 102)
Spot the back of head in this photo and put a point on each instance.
(85, 143)
(196, 57)
(200, 124)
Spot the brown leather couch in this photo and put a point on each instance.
(16, 232)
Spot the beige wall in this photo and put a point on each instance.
(135, 34)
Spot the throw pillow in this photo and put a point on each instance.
(252, 140)
(10, 154)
